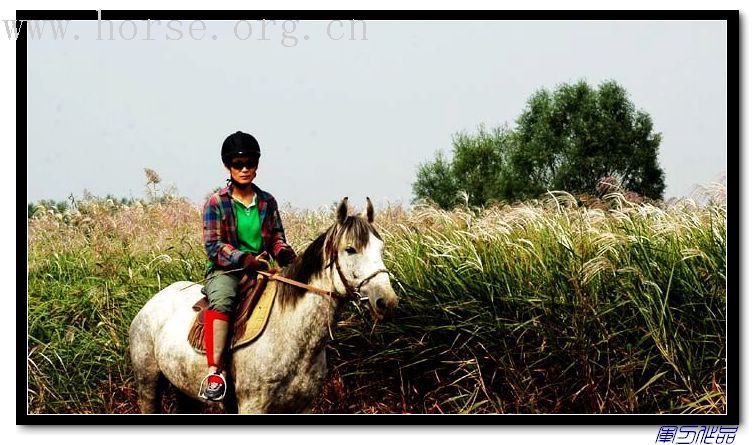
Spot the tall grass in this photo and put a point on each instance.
(544, 307)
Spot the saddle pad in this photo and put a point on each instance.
(243, 333)
(258, 320)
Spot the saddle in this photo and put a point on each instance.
(250, 318)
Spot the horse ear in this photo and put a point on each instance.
(342, 210)
(370, 211)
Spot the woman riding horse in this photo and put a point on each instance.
(242, 227)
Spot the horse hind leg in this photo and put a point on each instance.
(151, 401)
(149, 388)
(150, 384)
(147, 375)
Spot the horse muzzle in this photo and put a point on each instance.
(382, 304)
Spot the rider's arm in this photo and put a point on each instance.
(219, 252)
(278, 247)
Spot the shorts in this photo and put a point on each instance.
(221, 288)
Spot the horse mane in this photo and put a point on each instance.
(310, 264)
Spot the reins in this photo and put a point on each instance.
(351, 291)
(282, 279)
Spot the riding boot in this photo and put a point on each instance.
(216, 334)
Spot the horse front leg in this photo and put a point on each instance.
(231, 403)
(252, 402)
(251, 406)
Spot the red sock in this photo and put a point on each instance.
(214, 379)
(209, 317)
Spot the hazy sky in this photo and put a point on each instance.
(345, 117)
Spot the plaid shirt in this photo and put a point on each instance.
(219, 231)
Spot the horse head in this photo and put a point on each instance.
(354, 250)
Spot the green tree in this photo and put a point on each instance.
(435, 182)
(571, 138)
(567, 139)
(474, 169)
(478, 162)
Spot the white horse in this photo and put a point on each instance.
(284, 369)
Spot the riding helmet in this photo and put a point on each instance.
(239, 144)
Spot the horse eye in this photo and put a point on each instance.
(350, 250)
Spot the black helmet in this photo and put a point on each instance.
(239, 144)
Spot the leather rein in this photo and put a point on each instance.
(352, 292)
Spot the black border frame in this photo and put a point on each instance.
(733, 128)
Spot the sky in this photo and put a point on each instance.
(344, 117)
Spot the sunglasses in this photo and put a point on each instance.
(250, 164)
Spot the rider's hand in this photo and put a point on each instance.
(252, 263)
(286, 257)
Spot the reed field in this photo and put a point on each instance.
(543, 307)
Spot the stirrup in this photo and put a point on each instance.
(205, 383)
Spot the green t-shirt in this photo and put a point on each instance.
(248, 226)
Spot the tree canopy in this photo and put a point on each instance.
(566, 139)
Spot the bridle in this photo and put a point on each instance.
(352, 292)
